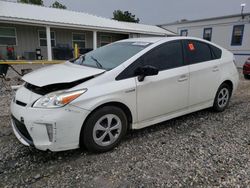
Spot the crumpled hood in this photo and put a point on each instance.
(60, 73)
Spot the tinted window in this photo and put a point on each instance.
(216, 52)
(43, 39)
(164, 57)
(184, 32)
(207, 34)
(79, 39)
(8, 36)
(237, 35)
(197, 52)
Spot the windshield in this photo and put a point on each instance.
(111, 56)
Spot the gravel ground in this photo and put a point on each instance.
(201, 149)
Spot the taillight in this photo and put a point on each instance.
(248, 61)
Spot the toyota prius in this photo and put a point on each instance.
(92, 101)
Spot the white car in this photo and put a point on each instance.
(94, 100)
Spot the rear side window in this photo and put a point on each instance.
(166, 56)
(197, 52)
(216, 52)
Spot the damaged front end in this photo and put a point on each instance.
(58, 77)
(45, 109)
(54, 87)
(42, 105)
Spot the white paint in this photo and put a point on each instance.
(15, 87)
(49, 49)
(94, 40)
(64, 75)
(169, 94)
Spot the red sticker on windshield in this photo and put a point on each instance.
(191, 46)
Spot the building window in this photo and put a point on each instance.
(237, 36)
(79, 39)
(184, 32)
(43, 39)
(207, 34)
(105, 40)
(8, 36)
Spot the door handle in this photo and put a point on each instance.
(183, 78)
(215, 68)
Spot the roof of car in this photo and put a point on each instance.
(157, 39)
(146, 39)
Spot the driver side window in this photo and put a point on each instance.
(166, 56)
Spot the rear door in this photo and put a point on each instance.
(204, 71)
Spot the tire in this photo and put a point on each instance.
(222, 98)
(104, 129)
(247, 77)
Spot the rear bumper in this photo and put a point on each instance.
(48, 129)
(235, 79)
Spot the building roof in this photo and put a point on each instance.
(205, 19)
(33, 14)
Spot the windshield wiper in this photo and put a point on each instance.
(99, 65)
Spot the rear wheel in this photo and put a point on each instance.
(104, 129)
(246, 76)
(222, 97)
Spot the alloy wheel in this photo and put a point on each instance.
(223, 97)
(107, 130)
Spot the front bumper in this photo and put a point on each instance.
(21, 132)
(48, 129)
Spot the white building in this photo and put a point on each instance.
(232, 32)
(27, 28)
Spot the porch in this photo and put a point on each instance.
(26, 42)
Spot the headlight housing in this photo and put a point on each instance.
(57, 99)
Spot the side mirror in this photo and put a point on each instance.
(144, 71)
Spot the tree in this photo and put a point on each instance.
(125, 16)
(35, 2)
(56, 4)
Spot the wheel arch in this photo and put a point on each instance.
(120, 105)
(230, 84)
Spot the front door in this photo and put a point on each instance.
(166, 92)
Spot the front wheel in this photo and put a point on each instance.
(104, 129)
(222, 97)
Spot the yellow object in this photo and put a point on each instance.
(76, 51)
(22, 62)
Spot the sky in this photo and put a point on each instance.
(158, 11)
